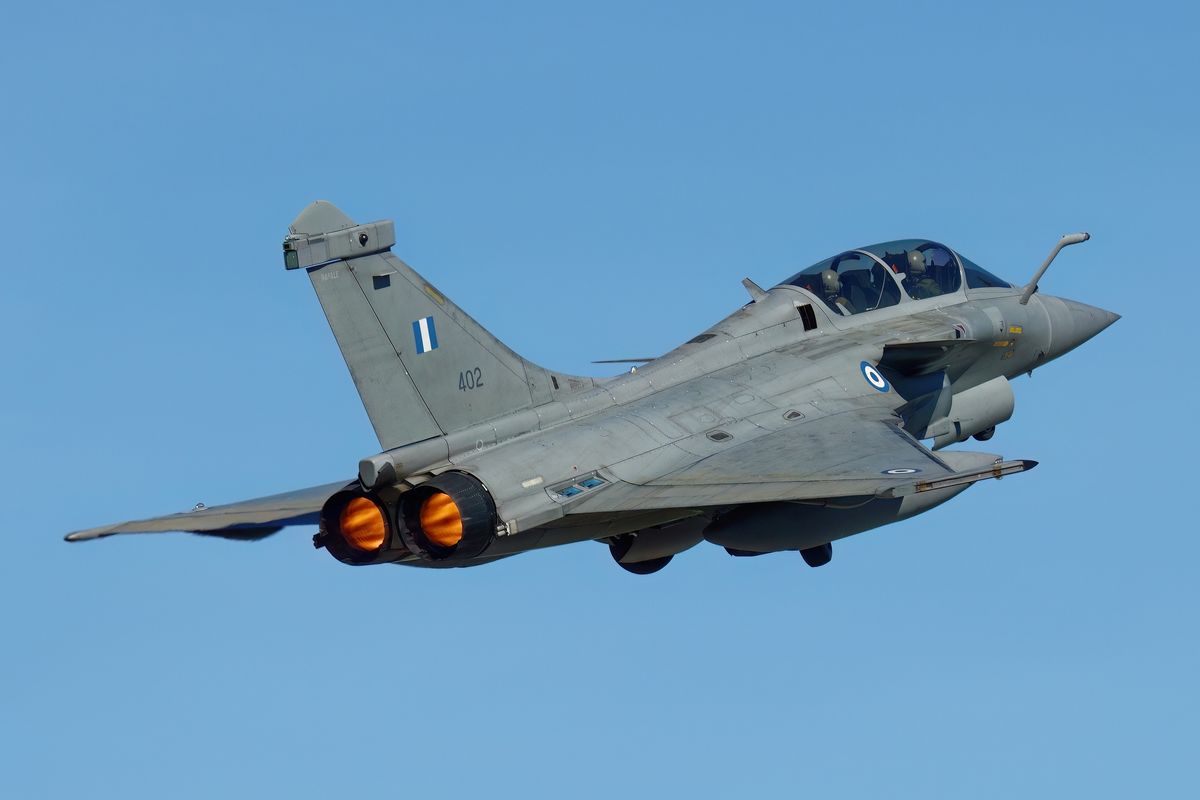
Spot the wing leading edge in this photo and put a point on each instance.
(845, 455)
(249, 519)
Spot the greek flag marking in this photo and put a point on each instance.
(425, 335)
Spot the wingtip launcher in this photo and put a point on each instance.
(997, 470)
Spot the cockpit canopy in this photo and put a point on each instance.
(882, 275)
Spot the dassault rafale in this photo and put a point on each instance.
(796, 421)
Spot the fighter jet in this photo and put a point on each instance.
(800, 419)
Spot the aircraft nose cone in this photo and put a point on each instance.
(1072, 323)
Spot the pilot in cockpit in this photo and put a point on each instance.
(832, 285)
(918, 282)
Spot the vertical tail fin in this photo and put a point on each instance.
(421, 365)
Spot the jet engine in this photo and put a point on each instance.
(452, 514)
(449, 516)
(359, 527)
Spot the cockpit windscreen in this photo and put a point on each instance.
(873, 277)
(980, 278)
(927, 269)
(850, 283)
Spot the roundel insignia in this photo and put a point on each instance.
(874, 377)
(901, 471)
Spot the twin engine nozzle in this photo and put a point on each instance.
(449, 516)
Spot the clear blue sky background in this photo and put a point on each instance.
(589, 182)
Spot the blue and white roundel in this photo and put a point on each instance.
(873, 377)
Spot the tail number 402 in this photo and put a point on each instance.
(469, 380)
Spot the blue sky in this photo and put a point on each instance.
(588, 182)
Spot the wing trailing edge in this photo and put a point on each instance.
(247, 520)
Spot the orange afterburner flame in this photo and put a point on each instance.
(441, 521)
(362, 525)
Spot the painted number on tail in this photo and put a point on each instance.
(425, 335)
(470, 379)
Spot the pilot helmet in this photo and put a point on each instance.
(916, 263)
(831, 282)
